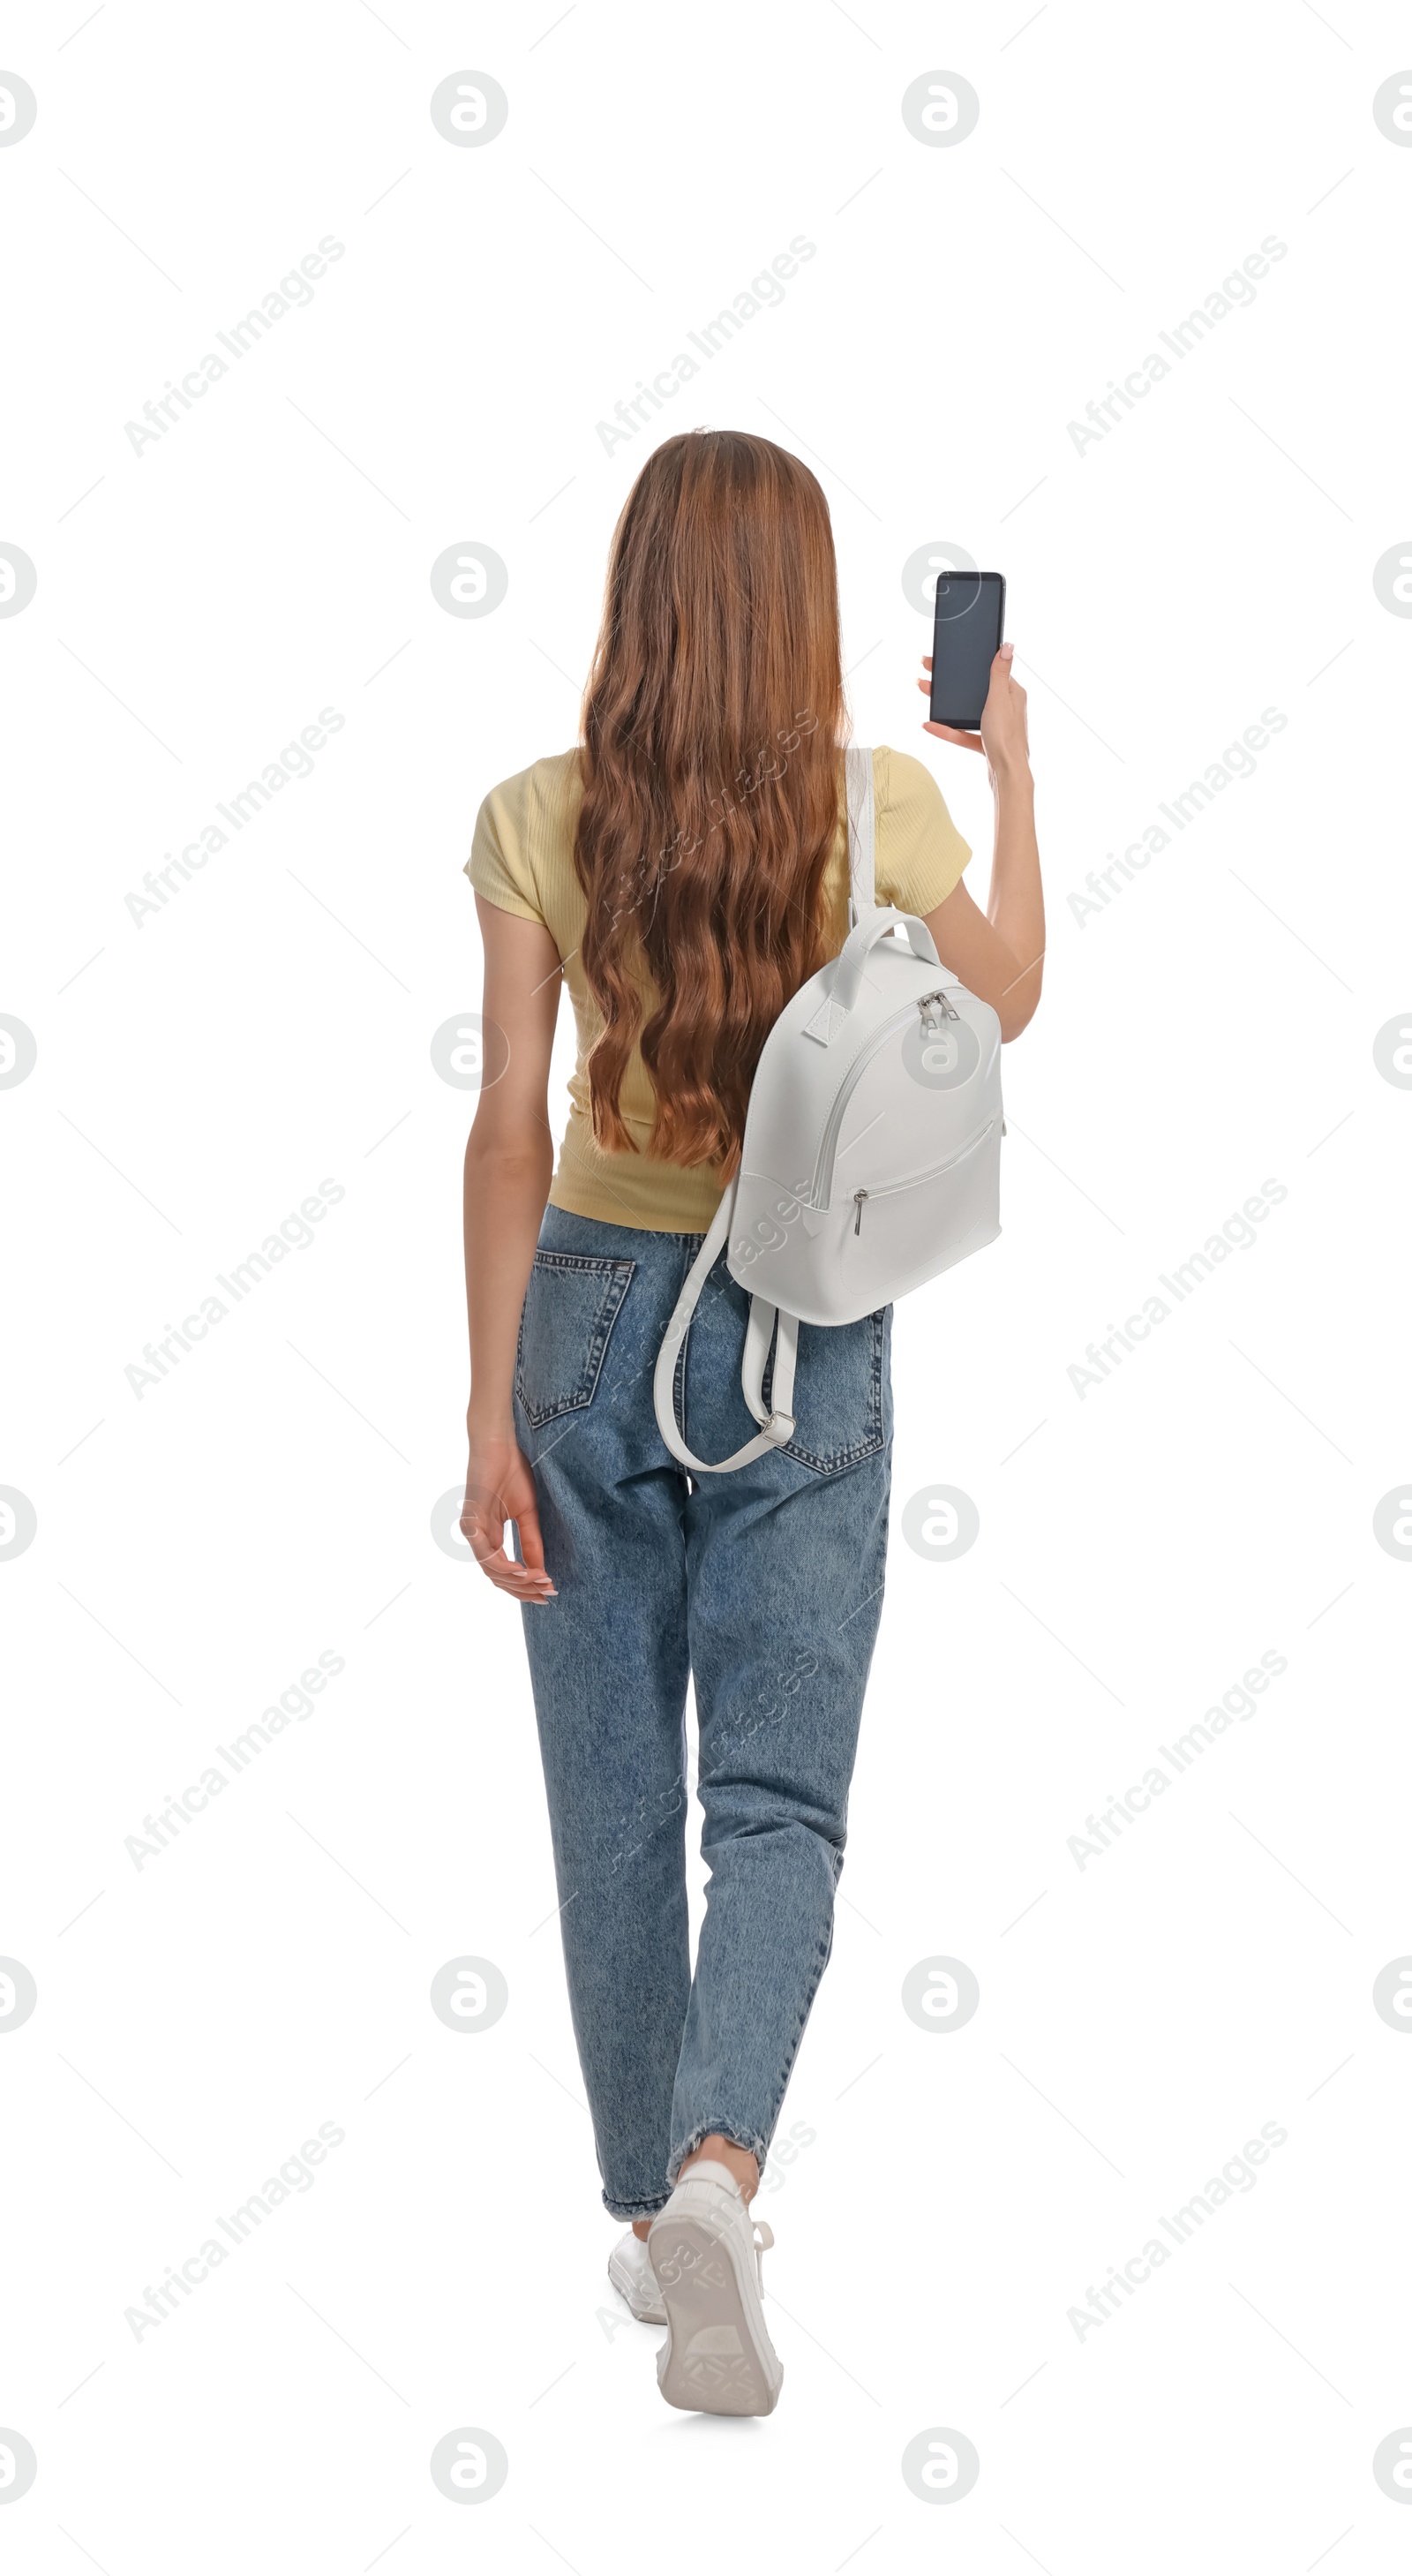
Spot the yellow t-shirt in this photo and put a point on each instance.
(522, 859)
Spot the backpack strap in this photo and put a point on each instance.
(858, 796)
(779, 1423)
(758, 1336)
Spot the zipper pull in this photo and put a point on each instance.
(858, 1198)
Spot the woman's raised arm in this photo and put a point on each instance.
(999, 953)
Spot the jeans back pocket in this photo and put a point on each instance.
(841, 1394)
(570, 1308)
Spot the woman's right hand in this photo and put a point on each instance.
(500, 1488)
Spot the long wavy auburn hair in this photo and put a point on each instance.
(711, 727)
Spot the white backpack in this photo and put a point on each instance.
(871, 1156)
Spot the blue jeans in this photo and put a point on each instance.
(766, 1585)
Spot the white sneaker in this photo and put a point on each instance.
(706, 2253)
(631, 2276)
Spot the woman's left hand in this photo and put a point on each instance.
(1004, 733)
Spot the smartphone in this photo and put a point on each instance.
(968, 633)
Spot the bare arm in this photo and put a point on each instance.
(999, 953)
(509, 1166)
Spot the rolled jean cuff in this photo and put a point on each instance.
(635, 2208)
(749, 2140)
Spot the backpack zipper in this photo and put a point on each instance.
(914, 1180)
(822, 1185)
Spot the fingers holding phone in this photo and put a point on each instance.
(1003, 730)
(945, 732)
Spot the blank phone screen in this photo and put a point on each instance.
(970, 608)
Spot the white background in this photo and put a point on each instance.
(1142, 1543)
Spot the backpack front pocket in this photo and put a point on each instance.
(570, 1308)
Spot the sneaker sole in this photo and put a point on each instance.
(718, 2358)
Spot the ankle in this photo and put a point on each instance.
(641, 2228)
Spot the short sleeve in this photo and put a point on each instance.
(499, 866)
(919, 854)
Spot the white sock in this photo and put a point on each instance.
(710, 2169)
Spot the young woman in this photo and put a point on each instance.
(683, 870)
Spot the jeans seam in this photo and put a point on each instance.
(825, 1953)
(838, 1458)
